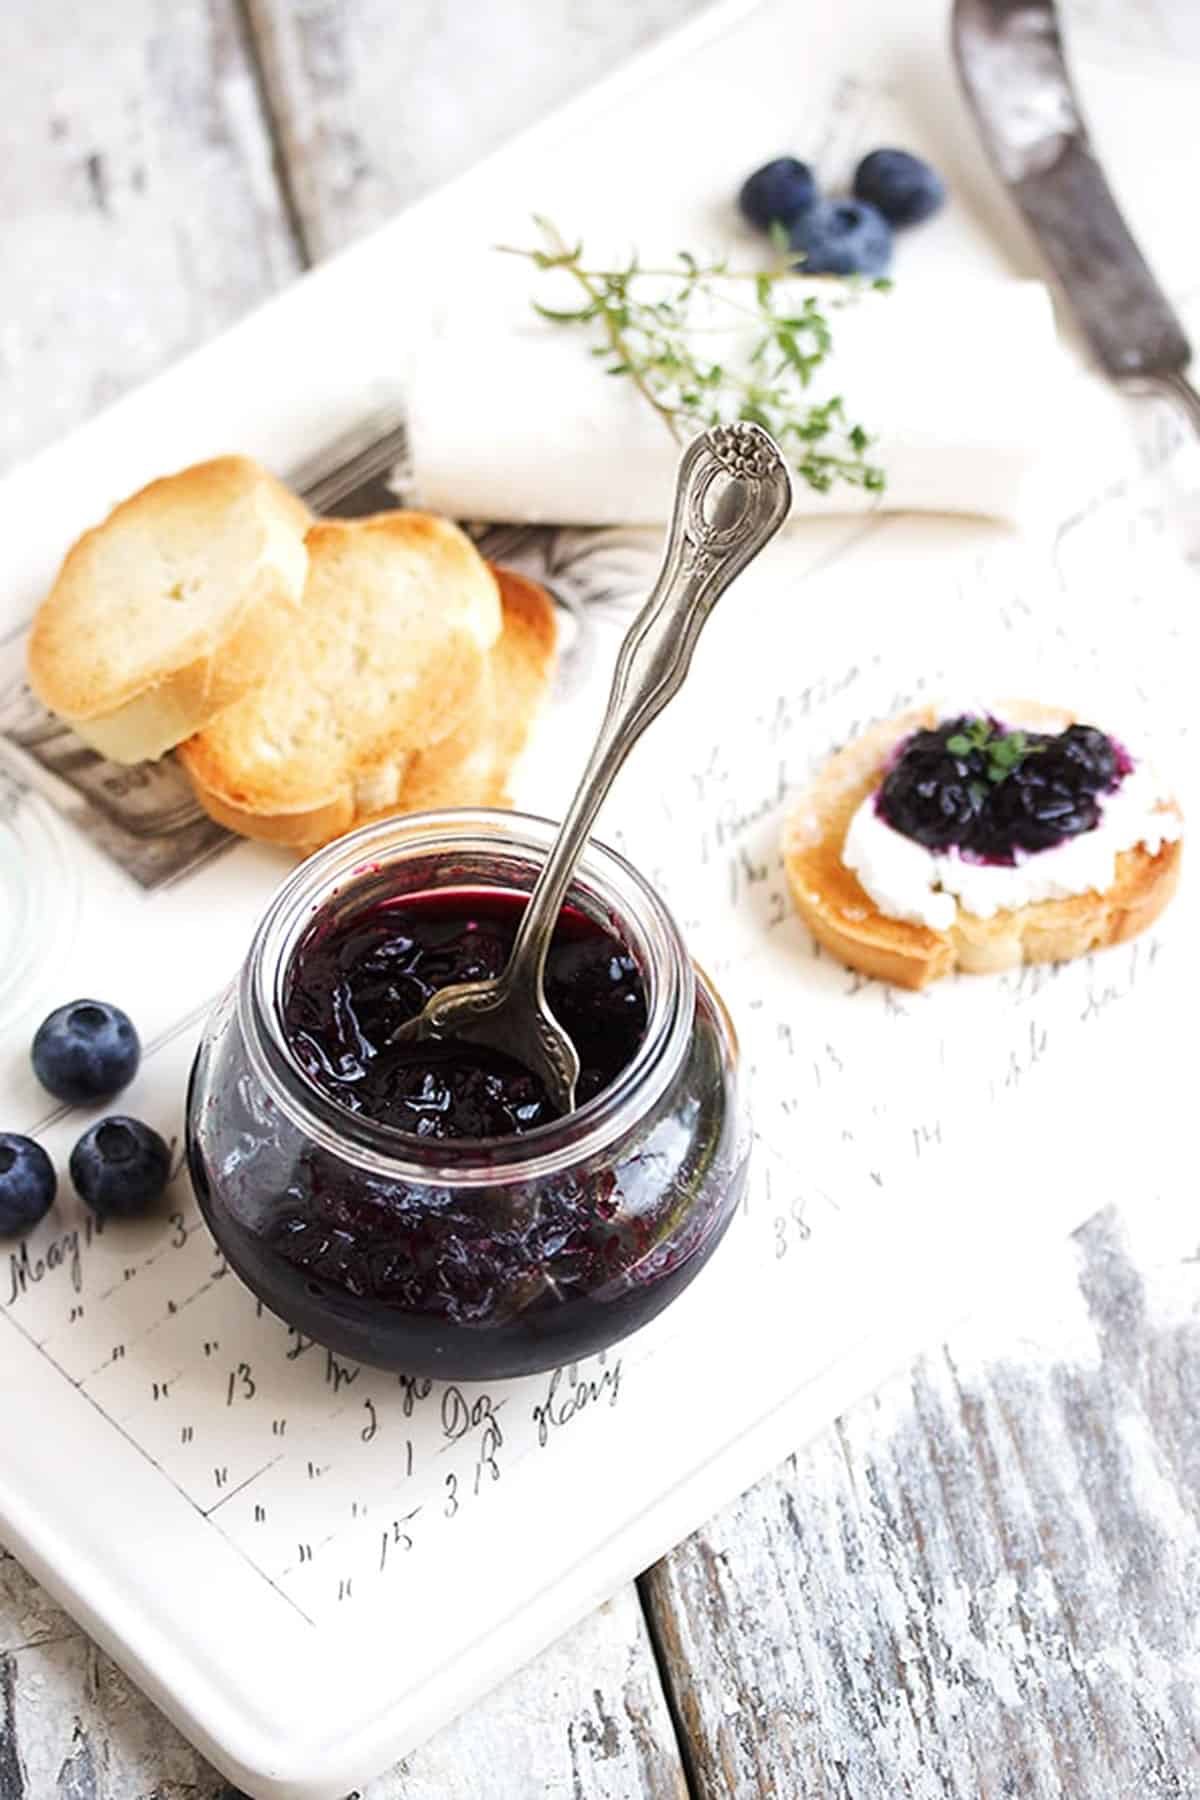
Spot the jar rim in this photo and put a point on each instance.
(603, 874)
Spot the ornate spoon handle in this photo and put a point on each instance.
(732, 495)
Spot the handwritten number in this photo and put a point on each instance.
(242, 1385)
(179, 1239)
(451, 1506)
(488, 1446)
(793, 1221)
(396, 1538)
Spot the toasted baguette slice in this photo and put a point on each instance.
(472, 766)
(473, 769)
(173, 608)
(525, 661)
(456, 772)
(842, 916)
(387, 656)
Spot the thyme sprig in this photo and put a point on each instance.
(652, 336)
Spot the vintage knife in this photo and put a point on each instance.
(1010, 58)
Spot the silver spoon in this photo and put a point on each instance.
(732, 494)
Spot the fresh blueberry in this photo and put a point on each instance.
(842, 237)
(120, 1167)
(86, 1051)
(27, 1183)
(899, 185)
(778, 193)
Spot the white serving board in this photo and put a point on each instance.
(311, 1566)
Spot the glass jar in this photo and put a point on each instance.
(476, 1258)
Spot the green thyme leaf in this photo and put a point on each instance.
(656, 343)
(579, 316)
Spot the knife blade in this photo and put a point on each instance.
(1012, 65)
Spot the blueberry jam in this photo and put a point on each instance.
(996, 794)
(351, 985)
(389, 1202)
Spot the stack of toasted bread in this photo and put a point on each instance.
(309, 674)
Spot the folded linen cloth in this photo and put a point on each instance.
(960, 384)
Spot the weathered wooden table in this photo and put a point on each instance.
(985, 1580)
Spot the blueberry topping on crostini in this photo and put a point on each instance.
(1032, 809)
(27, 1183)
(992, 793)
(86, 1051)
(932, 794)
(120, 1167)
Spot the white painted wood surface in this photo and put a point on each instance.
(586, 1721)
(378, 102)
(139, 212)
(986, 1580)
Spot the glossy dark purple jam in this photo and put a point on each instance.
(995, 793)
(351, 984)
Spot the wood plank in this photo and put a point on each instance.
(377, 103)
(986, 1579)
(586, 1720)
(141, 211)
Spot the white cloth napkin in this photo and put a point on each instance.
(961, 385)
